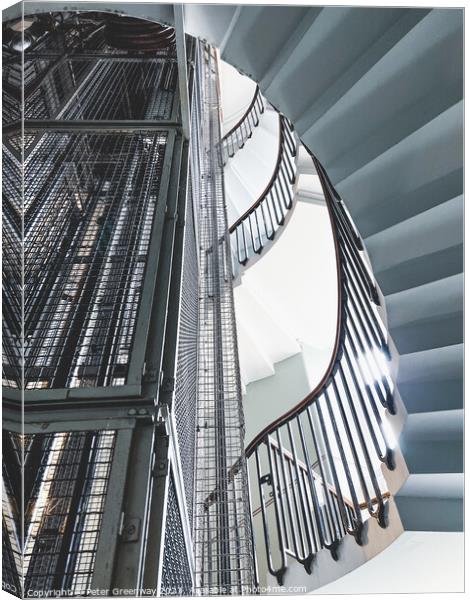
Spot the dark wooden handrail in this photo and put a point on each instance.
(245, 115)
(339, 424)
(270, 211)
(269, 185)
(310, 398)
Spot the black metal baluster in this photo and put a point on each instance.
(365, 449)
(387, 458)
(383, 395)
(382, 376)
(352, 444)
(278, 573)
(331, 544)
(323, 473)
(356, 529)
(289, 511)
(303, 494)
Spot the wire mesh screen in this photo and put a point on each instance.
(223, 537)
(106, 89)
(11, 87)
(11, 270)
(89, 206)
(11, 513)
(85, 221)
(176, 573)
(47, 76)
(186, 370)
(64, 511)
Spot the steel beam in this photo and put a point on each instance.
(167, 320)
(157, 325)
(81, 56)
(90, 126)
(110, 527)
(176, 248)
(30, 397)
(178, 10)
(127, 571)
(139, 366)
(157, 509)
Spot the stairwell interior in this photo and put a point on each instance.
(374, 99)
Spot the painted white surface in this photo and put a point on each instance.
(236, 94)
(249, 171)
(417, 562)
(295, 285)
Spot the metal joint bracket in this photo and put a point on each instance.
(151, 376)
(131, 529)
(162, 419)
(161, 468)
(266, 479)
(168, 384)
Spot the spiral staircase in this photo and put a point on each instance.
(376, 96)
(386, 122)
(382, 110)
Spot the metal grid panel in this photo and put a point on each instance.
(11, 87)
(57, 86)
(11, 521)
(48, 79)
(89, 207)
(89, 204)
(64, 512)
(11, 270)
(176, 572)
(186, 371)
(126, 90)
(223, 536)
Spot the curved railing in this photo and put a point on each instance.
(236, 138)
(317, 469)
(259, 224)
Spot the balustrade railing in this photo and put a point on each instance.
(259, 224)
(236, 138)
(317, 469)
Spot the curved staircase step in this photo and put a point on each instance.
(419, 250)
(432, 442)
(389, 189)
(427, 316)
(432, 502)
(415, 81)
(432, 379)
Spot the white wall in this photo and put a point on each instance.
(236, 94)
(417, 562)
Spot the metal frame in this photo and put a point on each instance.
(88, 126)
(181, 54)
(130, 544)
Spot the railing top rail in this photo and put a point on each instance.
(310, 398)
(281, 148)
(245, 114)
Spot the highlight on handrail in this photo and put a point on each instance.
(236, 138)
(317, 469)
(259, 224)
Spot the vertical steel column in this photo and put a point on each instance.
(178, 10)
(133, 522)
(110, 527)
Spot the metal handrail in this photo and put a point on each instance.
(259, 224)
(340, 425)
(236, 138)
